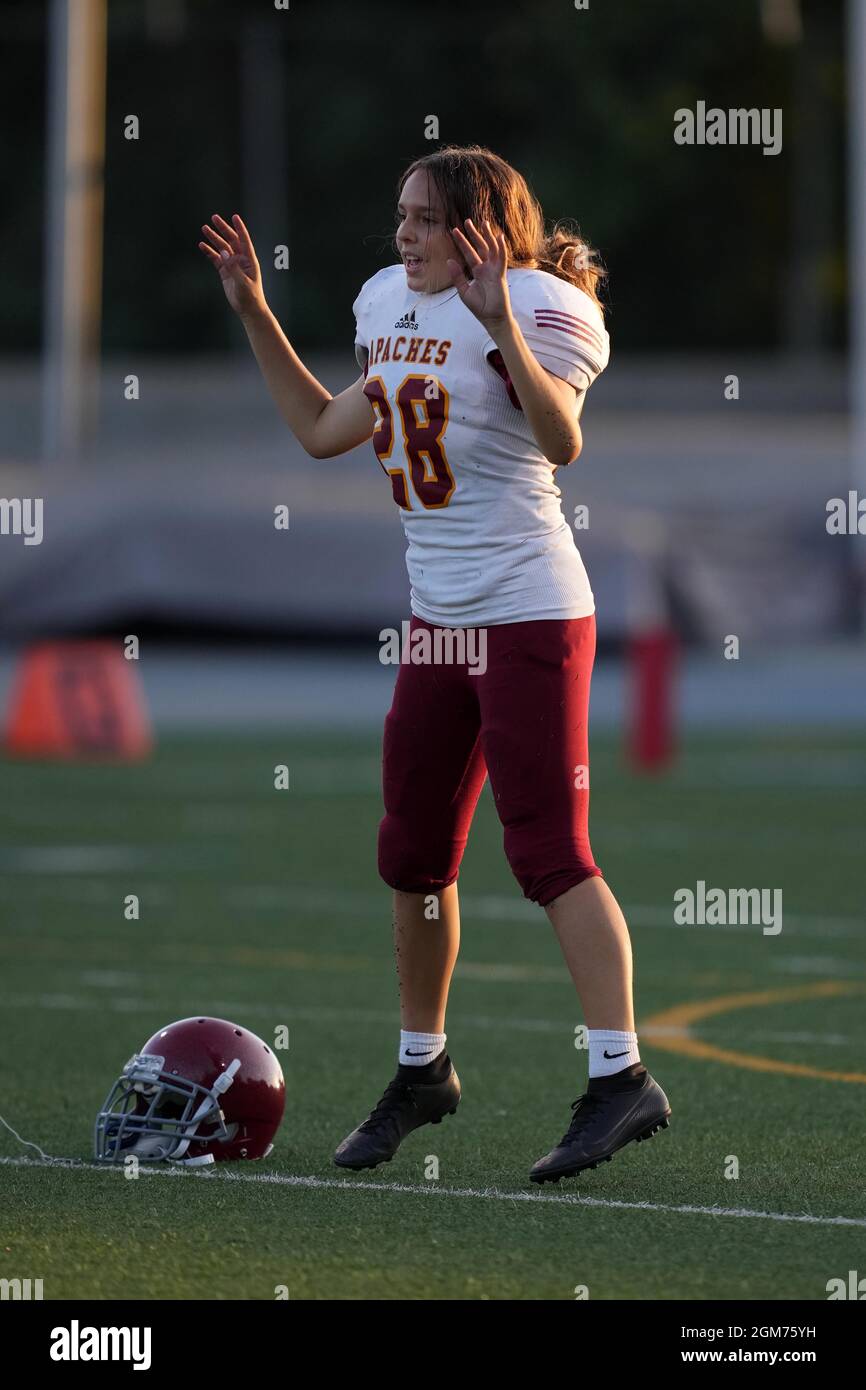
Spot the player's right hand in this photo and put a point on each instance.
(230, 250)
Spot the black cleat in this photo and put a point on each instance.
(605, 1119)
(406, 1105)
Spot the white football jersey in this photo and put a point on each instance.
(487, 540)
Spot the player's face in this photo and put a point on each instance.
(423, 239)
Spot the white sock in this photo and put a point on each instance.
(611, 1052)
(417, 1049)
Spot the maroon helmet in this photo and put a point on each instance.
(200, 1090)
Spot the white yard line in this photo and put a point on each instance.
(71, 859)
(281, 1012)
(488, 1194)
(502, 910)
(498, 909)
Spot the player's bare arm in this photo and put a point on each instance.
(324, 425)
(548, 402)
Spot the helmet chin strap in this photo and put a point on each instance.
(225, 1079)
(149, 1146)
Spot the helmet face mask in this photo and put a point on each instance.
(155, 1115)
(200, 1090)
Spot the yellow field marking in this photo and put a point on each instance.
(669, 1030)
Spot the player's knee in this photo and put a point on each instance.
(410, 859)
(545, 873)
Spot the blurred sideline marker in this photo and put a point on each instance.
(652, 650)
(77, 700)
(652, 663)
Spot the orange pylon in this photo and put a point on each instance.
(77, 699)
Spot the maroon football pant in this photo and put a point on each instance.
(523, 721)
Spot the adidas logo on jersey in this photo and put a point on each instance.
(408, 321)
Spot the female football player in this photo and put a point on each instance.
(478, 347)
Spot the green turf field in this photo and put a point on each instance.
(265, 907)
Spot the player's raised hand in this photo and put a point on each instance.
(486, 293)
(229, 248)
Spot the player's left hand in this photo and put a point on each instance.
(486, 255)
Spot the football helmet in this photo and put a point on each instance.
(200, 1090)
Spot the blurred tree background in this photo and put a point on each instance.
(303, 119)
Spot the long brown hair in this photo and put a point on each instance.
(474, 182)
